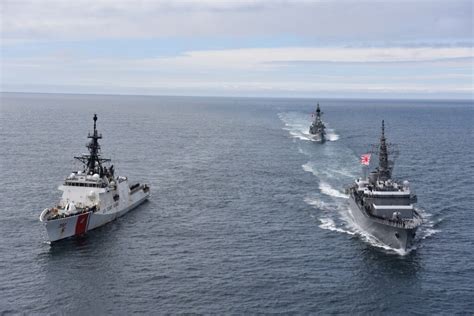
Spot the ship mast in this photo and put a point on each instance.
(93, 161)
(384, 168)
(318, 113)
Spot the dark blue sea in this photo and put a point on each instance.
(247, 215)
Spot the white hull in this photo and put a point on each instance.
(79, 224)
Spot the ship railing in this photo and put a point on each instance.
(408, 223)
(53, 214)
(137, 187)
(400, 223)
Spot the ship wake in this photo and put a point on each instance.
(337, 217)
(297, 124)
(334, 167)
(372, 240)
(430, 224)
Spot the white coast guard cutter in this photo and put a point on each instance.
(91, 197)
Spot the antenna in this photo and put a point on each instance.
(93, 161)
(385, 150)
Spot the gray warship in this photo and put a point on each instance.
(382, 206)
(317, 128)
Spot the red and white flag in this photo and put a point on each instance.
(365, 159)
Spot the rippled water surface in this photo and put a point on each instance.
(247, 215)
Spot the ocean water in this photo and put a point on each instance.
(247, 215)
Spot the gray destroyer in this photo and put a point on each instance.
(317, 128)
(383, 207)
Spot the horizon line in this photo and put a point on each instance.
(242, 96)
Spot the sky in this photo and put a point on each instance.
(271, 48)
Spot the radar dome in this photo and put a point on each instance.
(92, 195)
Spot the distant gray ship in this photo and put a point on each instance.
(317, 128)
(381, 206)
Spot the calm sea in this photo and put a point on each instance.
(246, 216)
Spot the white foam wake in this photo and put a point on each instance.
(327, 212)
(329, 224)
(297, 124)
(331, 135)
(321, 205)
(370, 239)
(337, 217)
(327, 189)
(308, 168)
(327, 172)
(427, 229)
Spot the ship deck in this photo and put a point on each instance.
(403, 223)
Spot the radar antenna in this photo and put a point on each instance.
(384, 149)
(93, 162)
(384, 170)
(318, 112)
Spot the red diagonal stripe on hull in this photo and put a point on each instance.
(81, 224)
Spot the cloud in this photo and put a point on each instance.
(327, 21)
(261, 58)
(249, 58)
(258, 71)
(244, 47)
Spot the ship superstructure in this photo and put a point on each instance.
(317, 128)
(92, 196)
(382, 206)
